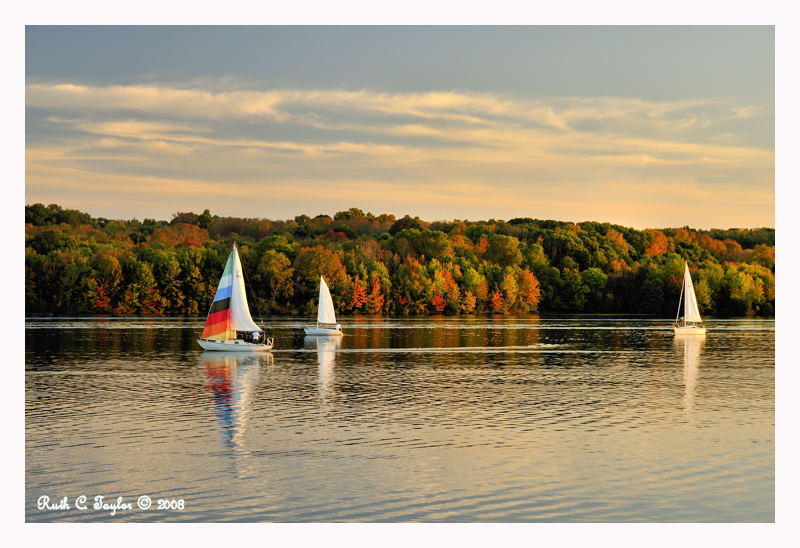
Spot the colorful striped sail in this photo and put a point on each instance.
(218, 324)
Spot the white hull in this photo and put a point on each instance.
(322, 332)
(233, 346)
(689, 330)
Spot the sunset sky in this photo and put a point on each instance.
(648, 127)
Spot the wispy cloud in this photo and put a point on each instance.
(436, 144)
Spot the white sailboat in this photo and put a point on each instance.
(688, 324)
(229, 326)
(326, 317)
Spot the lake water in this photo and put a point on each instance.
(523, 419)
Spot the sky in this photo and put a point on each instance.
(641, 126)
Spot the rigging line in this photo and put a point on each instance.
(255, 299)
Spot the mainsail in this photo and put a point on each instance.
(229, 311)
(691, 311)
(325, 313)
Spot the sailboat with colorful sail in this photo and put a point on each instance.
(229, 326)
(326, 317)
(689, 324)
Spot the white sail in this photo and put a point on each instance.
(240, 312)
(691, 311)
(325, 313)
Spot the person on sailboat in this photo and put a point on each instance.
(255, 337)
(338, 327)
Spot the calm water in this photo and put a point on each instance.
(433, 420)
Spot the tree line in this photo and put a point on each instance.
(78, 264)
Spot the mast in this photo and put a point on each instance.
(241, 320)
(678, 315)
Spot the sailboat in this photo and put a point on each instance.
(326, 317)
(688, 324)
(229, 326)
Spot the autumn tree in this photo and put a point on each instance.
(764, 255)
(374, 303)
(313, 262)
(528, 291)
(510, 290)
(497, 302)
(413, 283)
(359, 294)
(275, 270)
(659, 243)
(76, 264)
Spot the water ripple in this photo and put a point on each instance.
(420, 420)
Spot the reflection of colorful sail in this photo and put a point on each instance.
(230, 380)
(691, 360)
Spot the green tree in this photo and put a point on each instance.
(703, 294)
(595, 282)
(574, 289)
(310, 264)
(166, 272)
(405, 223)
(433, 245)
(503, 251)
(193, 286)
(204, 221)
(141, 296)
(349, 214)
(52, 240)
(275, 269)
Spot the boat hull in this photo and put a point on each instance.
(689, 330)
(322, 332)
(233, 346)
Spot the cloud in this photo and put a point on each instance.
(451, 106)
(745, 112)
(461, 150)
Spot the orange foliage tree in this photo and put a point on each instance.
(659, 245)
(497, 301)
(313, 262)
(375, 299)
(359, 294)
(529, 292)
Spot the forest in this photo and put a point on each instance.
(76, 264)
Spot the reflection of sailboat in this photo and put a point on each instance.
(691, 360)
(326, 355)
(688, 324)
(325, 315)
(231, 379)
(229, 326)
